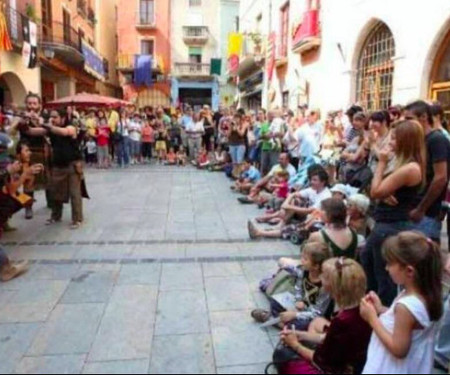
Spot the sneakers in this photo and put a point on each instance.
(10, 271)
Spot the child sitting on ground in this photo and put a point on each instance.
(310, 299)
(171, 157)
(250, 176)
(342, 346)
(182, 156)
(403, 335)
(202, 159)
(280, 193)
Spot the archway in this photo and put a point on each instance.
(374, 66)
(12, 89)
(440, 75)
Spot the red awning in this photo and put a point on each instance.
(88, 100)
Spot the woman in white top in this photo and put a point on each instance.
(403, 336)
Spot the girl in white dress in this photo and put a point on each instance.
(403, 336)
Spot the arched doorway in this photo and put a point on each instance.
(375, 69)
(440, 76)
(12, 90)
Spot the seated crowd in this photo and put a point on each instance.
(365, 197)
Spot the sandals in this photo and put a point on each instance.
(52, 221)
(245, 200)
(261, 316)
(75, 226)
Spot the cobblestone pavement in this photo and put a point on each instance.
(160, 279)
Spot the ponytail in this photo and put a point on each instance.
(415, 250)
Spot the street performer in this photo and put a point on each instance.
(67, 176)
(39, 146)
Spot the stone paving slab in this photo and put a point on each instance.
(188, 354)
(145, 286)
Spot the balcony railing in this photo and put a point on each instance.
(82, 7)
(145, 20)
(307, 35)
(126, 62)
(195, 34)
(192, 69)
(14, 23)
(59, 33)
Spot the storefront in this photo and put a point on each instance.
(250, 91)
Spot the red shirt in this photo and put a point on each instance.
(103, 134)
(283, 191)
(148, 134)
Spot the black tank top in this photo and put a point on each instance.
(407, 198)
(65, 150)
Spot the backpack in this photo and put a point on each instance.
(285, 361)
(284, 281)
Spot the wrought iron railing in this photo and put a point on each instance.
(59, 33)
(192, 69)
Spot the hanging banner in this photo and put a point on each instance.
(235, 43)
(93, 62)
(29, 49)
(271, 55)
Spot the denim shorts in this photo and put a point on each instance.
(430, 227)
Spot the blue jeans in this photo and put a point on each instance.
(430, 227)
(237, 154)
(378, 278)
(443, 340)
(122, 151)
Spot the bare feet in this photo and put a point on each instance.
(252, 230)
(10, 271)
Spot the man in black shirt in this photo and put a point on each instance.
(428, 214)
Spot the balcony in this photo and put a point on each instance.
(126, 63)
(82, 8)
(63, 42)
(195, 35)
(14, 23)
(192, 70)
(145, 20)
(307, 35)
(253, 54)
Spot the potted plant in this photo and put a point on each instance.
(30, 12)
(257, 41)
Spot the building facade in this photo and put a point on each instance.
(329, 54)
(144, 29)
(16, 80)
(69, 60)
(200, 30)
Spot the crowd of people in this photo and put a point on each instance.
(364, 194)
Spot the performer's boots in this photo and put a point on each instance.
(10, 271)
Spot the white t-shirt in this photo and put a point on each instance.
(195, 127)
(420, 358)
(135, 131)
(278, 168)
(314, 197)
(307, 141)
(91, 147)
(277, 126)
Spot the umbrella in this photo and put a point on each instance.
(87, 100)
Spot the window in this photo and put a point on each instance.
(284, 32)
(66, 26)
(147, 47)
(81, 35)
(376, 69)
(195, 55)
(147, 12)
(195, 3)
